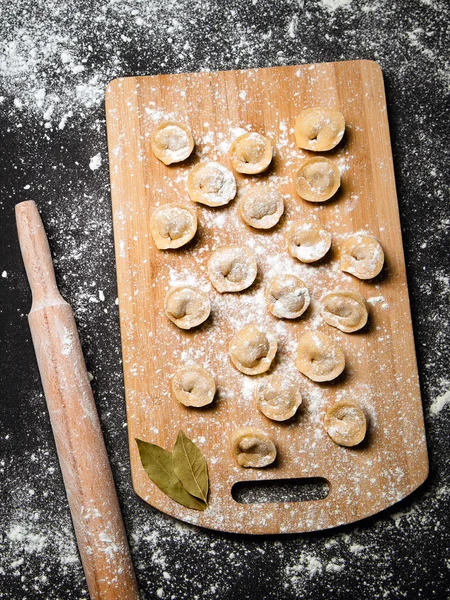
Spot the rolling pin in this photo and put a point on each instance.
(86, 471)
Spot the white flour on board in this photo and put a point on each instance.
(232, 312)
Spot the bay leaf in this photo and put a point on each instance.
(158, 465)
(190, 467)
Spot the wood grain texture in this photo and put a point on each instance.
(381, 368)
(87, 475)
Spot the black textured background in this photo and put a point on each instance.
(402, 553)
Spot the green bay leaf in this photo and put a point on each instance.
(190, 467)
(158, 465)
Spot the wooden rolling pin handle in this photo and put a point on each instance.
(86, 471)
(36, 255)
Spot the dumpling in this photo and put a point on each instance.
(193, 386)
(362, 256)
(346, 423)
(252, 350)
(211, 183)
(278, 397)
(319, 357)
(172, 226)
(319, 129)
(287, 296)
(187, 307)
(261, 207)
(317, 179)
(308, 242)
(345, 310)
(251, 153)
(172, 142)
(253, 447)
(232, 268)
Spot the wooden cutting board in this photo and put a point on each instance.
(381, 365)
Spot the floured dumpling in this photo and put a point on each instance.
(362, 256)
(317, 179)
(308, 242)
(319, 357)
(253, 447)
(172, 226)
(172, 142)
(278, 397)
(187, 307)
(287, 296)
(232, 268)
(193, 386)
(251, 153)
(319, 129)
(211, 183)
(261, 207)
(252, 350)
(345, 310)
(346, 423)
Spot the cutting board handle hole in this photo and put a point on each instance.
(280, 490)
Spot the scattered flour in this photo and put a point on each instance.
(95, 162)
(307, 563)
(332, 5)
(439, 403)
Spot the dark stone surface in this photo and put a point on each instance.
(45, 155)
